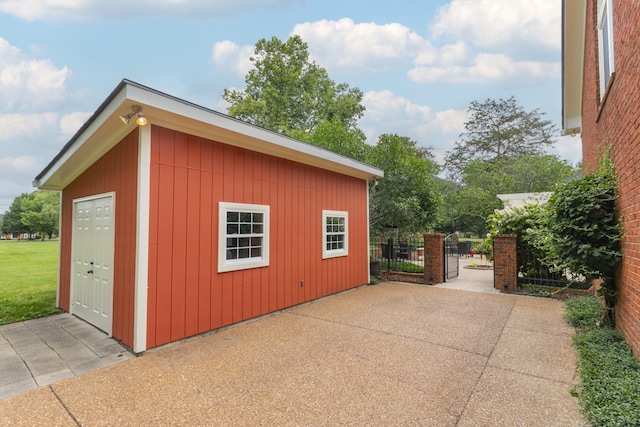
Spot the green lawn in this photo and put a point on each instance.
(28, 276)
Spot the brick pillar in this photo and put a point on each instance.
(434, 258)
(505, 266)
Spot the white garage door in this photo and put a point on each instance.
(92, 260)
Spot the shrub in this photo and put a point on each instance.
(584, 232)
(527, 222)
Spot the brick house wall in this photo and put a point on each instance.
(615, 121)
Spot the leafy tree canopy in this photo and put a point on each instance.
(333, 136)
(527, 173)
(406, 198)
(11, 222)
(286, 92)
(470, 202)
(37, 212)
(498, 130)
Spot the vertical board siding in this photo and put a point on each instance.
(116, 171)
(190, 176)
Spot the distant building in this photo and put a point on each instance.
(517, 200)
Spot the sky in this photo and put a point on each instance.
(419, 63)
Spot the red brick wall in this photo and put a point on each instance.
(505, 265)
(616, 122)
(434, 258)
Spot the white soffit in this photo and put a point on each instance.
(104, 130)
(573, 33)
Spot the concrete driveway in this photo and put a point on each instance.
(389, 354)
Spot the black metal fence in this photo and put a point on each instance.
(532, 272)
(400, 255)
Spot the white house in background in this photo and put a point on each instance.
(518, 200)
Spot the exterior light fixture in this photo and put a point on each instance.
(136, 110)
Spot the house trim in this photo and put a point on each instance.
(104, 130)
(142, 240)
(573, 32)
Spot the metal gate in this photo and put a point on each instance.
(451, 266)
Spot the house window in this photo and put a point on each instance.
(243, 239)
(605, 43)
(335, 234)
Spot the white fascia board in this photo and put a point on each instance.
(104, 130)
(72, 153)
(177, 114)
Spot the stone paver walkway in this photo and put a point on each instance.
(42, 351)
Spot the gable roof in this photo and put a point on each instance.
(104, 130)
(573, 32)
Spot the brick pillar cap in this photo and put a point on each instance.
(508, 236)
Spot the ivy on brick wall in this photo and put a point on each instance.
(584, 231)
(576, 233)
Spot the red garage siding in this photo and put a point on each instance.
(616, 122)
(116, 171)
(189, 176)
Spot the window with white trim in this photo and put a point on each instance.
(335, 234)
(243, 236)
(605, 43)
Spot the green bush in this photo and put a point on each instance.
(584, 312)
(584, 233)
(527, 222)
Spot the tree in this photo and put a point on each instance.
(34, 212)
(335, 137)
(41, 212)
(498, 130)
(11, 222)
(471, 201)
(406, 197)
(521, 174)
(286, 92)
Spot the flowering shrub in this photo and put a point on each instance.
(527, 222)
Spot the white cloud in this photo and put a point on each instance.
(370, 47)
(70, 123)
(364, 46)
(26, 126)
(568, 147)
(12, 164)
(500, 24)
(228, 56)
(448, 122)
(25, 81)
(389, 113)
(385, 105)
(53, 10)
(483, 68)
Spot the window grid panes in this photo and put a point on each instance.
(335, 233)
(245, 235)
